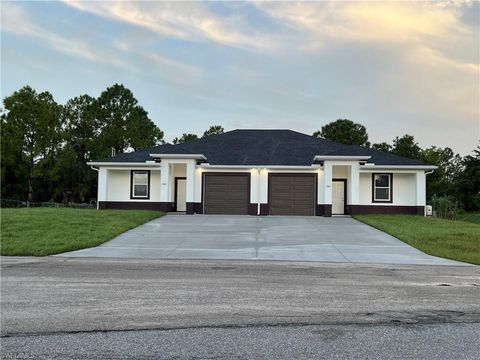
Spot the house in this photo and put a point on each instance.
(262, 172)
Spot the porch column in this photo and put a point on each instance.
(327, 173)
(263, 192)
(421, 190)
(190, 186)
(354, 189)
(164, 182)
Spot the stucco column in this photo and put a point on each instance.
(164, 182)
(421, 192)
(198, 185)
(263, 192)
(190, 180)
(102, 187)
(327, 176)
(354, 188)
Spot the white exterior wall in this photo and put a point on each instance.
(118, 186)
(421, 188)
(102, 184)
(409, 187)
(404, 189)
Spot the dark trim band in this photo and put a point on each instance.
(137, 205)
(386, 209)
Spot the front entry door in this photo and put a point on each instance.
(338, 197)
(181, 194)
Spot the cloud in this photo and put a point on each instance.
(435, 54)
(386, 21)
(18, 22)
(191, 21)
(177, 72)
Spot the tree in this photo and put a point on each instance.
(344, 131)
(32, 120)
(185, 138)
(81, 125)
(468, 181)
(123, 123)
(442, 181)
(383, 146)
(407, 146)
(14, 170)
(214, 130)
(81, 128)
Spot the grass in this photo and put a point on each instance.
(473, 217)
(42, 231)
(456, 240)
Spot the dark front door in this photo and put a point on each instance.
(226, 193)
(292, 194)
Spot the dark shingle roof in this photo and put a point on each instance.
(263, 147)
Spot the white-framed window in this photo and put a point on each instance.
(382, 187)
(140, 184)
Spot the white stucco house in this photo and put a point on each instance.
(262, 172)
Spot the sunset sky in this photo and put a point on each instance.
(396, 67)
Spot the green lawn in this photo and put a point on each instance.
(43, 231)
(456, 240)
(473, 217)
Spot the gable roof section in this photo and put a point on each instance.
(263, 147)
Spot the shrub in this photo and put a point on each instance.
(445, 207)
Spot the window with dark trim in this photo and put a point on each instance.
(382, 188)
(140, 184)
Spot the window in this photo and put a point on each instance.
(140, 184)
(381, 187)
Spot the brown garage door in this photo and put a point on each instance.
(226, 193)
(292, 194)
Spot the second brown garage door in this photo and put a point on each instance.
(292, 194)
(226, 193)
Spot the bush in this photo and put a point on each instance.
(445, 207)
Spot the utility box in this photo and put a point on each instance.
(428, 210)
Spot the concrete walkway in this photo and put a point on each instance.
(336, 239)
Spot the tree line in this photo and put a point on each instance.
(45, 146)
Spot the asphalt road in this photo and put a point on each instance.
(221, 309)
(440, 341)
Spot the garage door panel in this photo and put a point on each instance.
(226, 194)
(292, 194)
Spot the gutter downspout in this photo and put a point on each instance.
(96, 169)
(426, 173)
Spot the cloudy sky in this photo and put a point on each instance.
(396, 67)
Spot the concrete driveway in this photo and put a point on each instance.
(261, 238)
